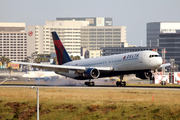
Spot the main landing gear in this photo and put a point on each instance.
(121, 83)
(89, 83)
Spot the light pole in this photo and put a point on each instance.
(37, 92)
(177, 68)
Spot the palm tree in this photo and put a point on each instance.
(72, 57)
(40, 59)
(26, 59)
(75, 57)
(9, 69)
(5, 60)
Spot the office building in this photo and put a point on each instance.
(92, 54)
(13, 41)
(155, 28)
(100, 33)
(95, 37)
(74, 34)
(69, 32)
(93, 21)
(171, 42)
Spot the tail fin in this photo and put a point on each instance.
(61, 53)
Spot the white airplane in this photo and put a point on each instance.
(140, 63)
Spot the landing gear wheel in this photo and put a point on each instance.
(86, 83)
(120, 83)
(163, 82)
(89, 83)
(124, 84)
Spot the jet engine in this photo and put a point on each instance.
(144, 75)
(91, 73)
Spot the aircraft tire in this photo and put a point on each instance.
(119, 83)
(163, 83)
(124, 84)
(93, 84)
(89, 83)
(86, 83)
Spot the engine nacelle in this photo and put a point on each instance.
(144, 75)
(91, 73)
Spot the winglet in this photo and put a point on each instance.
(61, 53)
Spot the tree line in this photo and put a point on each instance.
(72, 57)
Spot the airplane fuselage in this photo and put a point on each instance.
(127, 63)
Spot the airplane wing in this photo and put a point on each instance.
(165, 65)
(62, 68)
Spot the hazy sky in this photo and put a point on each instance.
(134, 14)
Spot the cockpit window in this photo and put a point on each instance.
(150, 56)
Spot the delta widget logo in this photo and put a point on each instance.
(30, 33)
(124, 57)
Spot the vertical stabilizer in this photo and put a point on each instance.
(61, 53)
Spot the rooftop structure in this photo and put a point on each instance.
(155, 28)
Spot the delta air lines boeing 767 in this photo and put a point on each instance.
(140, 63)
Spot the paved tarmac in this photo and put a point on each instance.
(92, 87)
(102, 83)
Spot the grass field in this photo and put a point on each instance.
(89, 104)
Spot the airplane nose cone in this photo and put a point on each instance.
(159, 61)
(156, 62)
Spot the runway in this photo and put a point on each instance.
(104, 83)
(92, 87)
